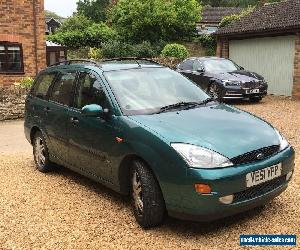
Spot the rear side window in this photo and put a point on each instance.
(42, 85)
(187, 65)
(62, 91)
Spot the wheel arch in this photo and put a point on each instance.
(33, 131)
(124, 172)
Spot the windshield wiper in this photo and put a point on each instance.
(210, 99)
(176, 106)
(184, 105)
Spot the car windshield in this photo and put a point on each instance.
(220, 65)
(148, 90)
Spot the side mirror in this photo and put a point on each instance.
(92, 110)
(200, 70)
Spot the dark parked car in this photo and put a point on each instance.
(224, 79)
(147, 131)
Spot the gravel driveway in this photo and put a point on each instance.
(63, 210)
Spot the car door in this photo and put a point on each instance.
(199, 76)
(91, 139)
(56, 113)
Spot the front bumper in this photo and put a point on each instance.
(227, 181)
(241, 93)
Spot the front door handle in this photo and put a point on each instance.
(47, 109)
(74, 120)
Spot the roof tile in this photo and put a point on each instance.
(281, 16)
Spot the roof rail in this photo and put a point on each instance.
(74, 61)
(136, 59)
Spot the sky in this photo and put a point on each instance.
(63, 8)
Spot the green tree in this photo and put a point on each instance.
(74, 23)
(52, 14)
(96, 10)
(152, 20)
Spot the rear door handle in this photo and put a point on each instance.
(74, 120)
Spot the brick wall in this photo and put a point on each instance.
(222, 48)
(23, 21)
(296, 87)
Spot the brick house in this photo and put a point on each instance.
(267, 41)
(22, 39)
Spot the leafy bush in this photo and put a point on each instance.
(175, 50)
(91, 36)
(113, 49)
(151, 20)
(95, 53)
(209, 43)
(25, 83)
(229, 19)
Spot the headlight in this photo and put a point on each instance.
(283, 142)
(231, 83)
(199, 157)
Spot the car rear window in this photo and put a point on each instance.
(42, 85)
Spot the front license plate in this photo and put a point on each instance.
(260, 176)
(252, 91)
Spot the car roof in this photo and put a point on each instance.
(106, 65)
(206, 58)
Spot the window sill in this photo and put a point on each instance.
(12, 73)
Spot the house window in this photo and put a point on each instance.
(11, 58)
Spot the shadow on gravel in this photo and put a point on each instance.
(177, 226)
(243, 102)
(203, 228)
(91, 185)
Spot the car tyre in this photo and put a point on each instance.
(148, 202)
(41, 153)
(255, 99)
(215, 91)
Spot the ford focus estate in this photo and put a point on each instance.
(146, 131)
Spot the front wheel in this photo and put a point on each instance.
(148, 202)
(215, 91)
(41, 154)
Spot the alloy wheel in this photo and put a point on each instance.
(214, 91)
(137, 193)
(39, 152)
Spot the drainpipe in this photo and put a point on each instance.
(35, 35)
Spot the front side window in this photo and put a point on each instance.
(62, 91)
(197, 65)
(11, 59)
(220, 65)
(42, 85)
(147, 90)
(90, 91)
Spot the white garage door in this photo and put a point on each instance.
(271, 57)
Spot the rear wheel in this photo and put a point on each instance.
(40, 153)
(215, 91)
(148, 202)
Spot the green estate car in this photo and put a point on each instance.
(147, 131)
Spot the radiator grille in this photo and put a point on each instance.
(255, 155)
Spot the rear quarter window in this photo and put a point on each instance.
(43, 84)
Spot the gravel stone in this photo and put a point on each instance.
(63, 210)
